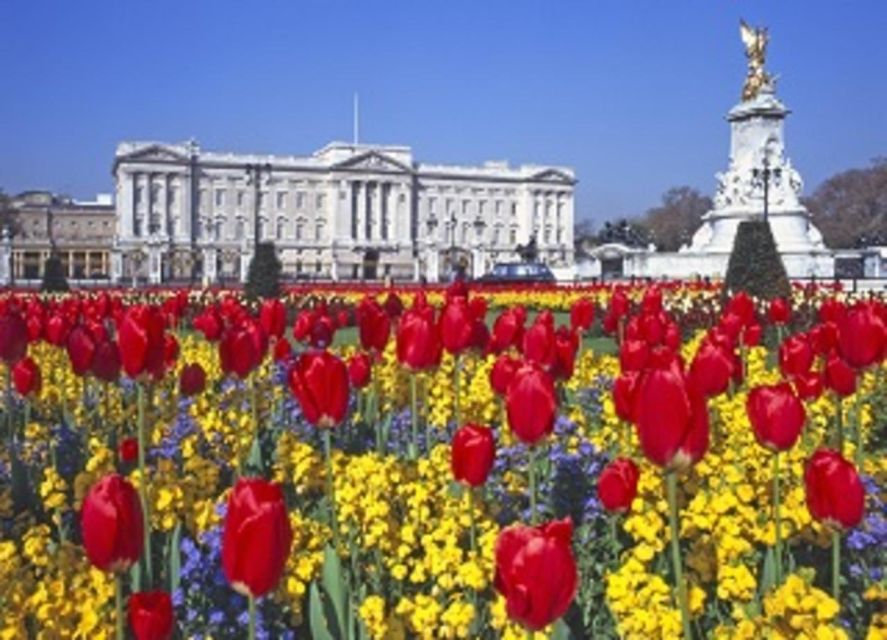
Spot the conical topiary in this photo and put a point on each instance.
(54, 275)
(263, 278)
(755, 265)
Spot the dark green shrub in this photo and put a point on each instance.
(755, 265)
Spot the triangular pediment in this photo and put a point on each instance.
(373, 161)
(154, 153)
(554, 176)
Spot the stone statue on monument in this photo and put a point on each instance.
(755, 40)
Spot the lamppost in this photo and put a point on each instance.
(253, 177)
(762, 177)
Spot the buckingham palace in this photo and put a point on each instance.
(345, 212)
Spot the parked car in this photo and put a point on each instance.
(505, 272)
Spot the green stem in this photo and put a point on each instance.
(671, 483)
(9, 427)
(457, 411)
(414, 410)
(858, 453)
(473, 518)
(533, 516)
(118, 605)
(330, 487)
(836, 565)
(776, 519)
(252, 617)
(143, 481)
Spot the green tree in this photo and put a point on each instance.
(263, 278)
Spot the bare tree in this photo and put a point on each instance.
(673, 222)
(851, 207)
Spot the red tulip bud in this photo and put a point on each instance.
(472, 454)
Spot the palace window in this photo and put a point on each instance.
(300, 228)
(238, 229)
(318, 231)
(431, 205)
(465, 207)
(512, 236)
(263, 199)
(318, 202)
(513, 209)
(203, 197)
(498, 207)
(300, 199)
(280, 228)
(241, 198)
(480, 207)
(281, 199)
(220, 198)
(496, 231)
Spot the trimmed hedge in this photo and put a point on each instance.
(263, 277)
(755, 265)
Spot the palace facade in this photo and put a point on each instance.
(347, 211)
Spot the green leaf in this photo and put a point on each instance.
(135, 576)
(175, 558)
(334, 585)
(561, 631)
(21, 486)
(768, 575)
(254, 459)
(316, 615)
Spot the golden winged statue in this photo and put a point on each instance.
(755, 41)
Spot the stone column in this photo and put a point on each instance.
(116, 266)
(361, 209)
(210, 262)
(125, 202)
(5, 257)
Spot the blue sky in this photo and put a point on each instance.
(630, 94)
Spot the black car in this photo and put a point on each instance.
(526, 272)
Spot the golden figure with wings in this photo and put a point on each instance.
(755, 41)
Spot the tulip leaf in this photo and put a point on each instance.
(768, 575)
(175, 558)
(317, 615)
(561, 631)
(254, 459)
(334, 585)
(135, 576)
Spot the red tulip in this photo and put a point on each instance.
(566, 345)
(536, 572)
(824, 338)
(360, 369)
(57, 328)
(142, 342)
(192, 380)
(672, 423)
(809, 385)
(776, 415)
(81, 350)
(582, 315)
(242, 349)
(151, 615)
(128, 450)
(779, 311)
(651, 303)
(835, 495)
(319, 381)
(839, 377)
(711, 370)
(862, 336)
(619, 304)
(472, 454)
(282, 350)
(795, 355)
(111, 524)
(373, 325)
(210, 324)
(633, 355)
(508, 330)
(625, 388)
(502, 373)
(742, 306)
(751, 336)
(539, 341)
(257, 537)
(272, 317)
(531, 404)
(13, 337)
(106, 361)
(456, 325)
(418, 339)
(323, 330)
(831, 310)
(393, 305)
(170, 350)
(26, 377)
(618, 485)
